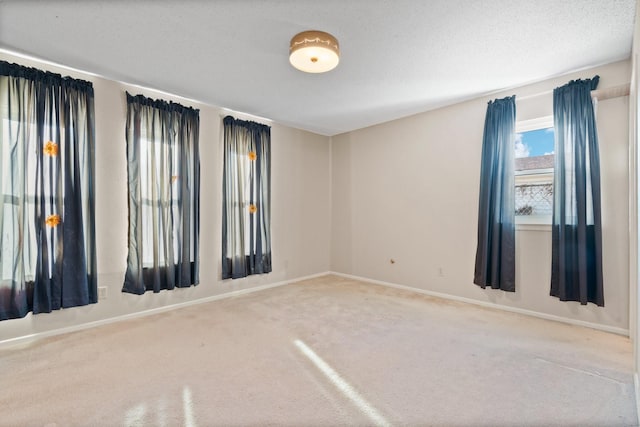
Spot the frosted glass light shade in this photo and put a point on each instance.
(314, 52)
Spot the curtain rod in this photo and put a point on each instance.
(611, 92)
(244, 116)
(599, 94)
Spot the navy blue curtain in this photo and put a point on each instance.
(47, 257)
(246, 199)
(163, 168)
(495, 255)
(576, 268)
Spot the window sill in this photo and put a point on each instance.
(533, 227)
(533, 223)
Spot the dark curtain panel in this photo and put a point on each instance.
(163, 167)
(576, 268)
(47, 257)
(495, 255)
(246, 200)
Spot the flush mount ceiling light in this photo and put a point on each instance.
(314, 52)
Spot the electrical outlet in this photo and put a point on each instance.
(102, 292)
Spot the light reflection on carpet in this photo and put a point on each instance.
(346, 389)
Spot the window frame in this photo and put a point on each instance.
(147, 203)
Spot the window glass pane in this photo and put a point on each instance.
(19, 160)
(534, 199)
(535, 143)
(534, 172)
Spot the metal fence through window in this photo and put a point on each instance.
(534, 199)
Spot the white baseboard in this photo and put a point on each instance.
(606, 328)
(25, 339)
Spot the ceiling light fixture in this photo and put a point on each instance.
(314, 52)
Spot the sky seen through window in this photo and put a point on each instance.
(539, 142)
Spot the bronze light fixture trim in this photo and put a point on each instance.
(314, 52)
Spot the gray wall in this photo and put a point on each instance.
(408, 190)
(300, 210)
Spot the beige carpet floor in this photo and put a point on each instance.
(323, 352)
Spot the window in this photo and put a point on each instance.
(47, 239)
(163, 174)
(13, 201)
(534, 171)
(243, 204)
(246, 235)
(163, 156)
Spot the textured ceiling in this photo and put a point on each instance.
(398, 57)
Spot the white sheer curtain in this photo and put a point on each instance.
(47, 256)
(164, 190)
(246, 203)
